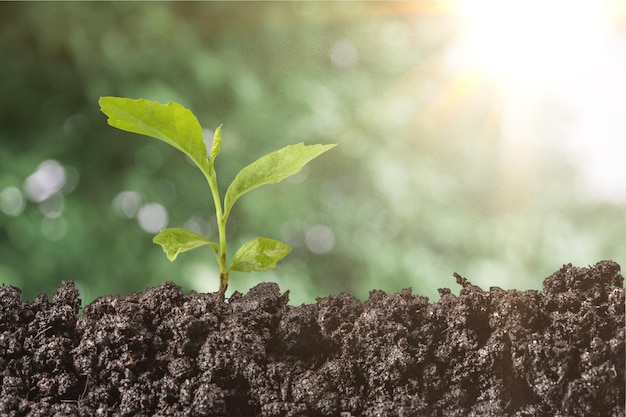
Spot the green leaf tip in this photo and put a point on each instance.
(177, 240)
(272, 168)
(171, 123)
(216, 146)
(259, 254)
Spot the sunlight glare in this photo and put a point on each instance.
(534, 43)
(557, 68)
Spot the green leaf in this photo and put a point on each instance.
(177, 240)
(171, 123)
(259, 254)
(271, 168)
(217, 144)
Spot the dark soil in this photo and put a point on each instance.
(555, 352)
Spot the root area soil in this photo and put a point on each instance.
(554, 352)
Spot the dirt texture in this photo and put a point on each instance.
(555, 352)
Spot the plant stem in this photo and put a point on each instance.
(211, 176)
(223, 286)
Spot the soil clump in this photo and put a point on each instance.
(554, 352)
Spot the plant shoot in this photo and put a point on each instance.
(179, 127)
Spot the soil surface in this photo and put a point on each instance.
(555, 352)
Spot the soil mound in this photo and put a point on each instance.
(555, 352)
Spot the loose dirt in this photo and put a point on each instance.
(555, 352)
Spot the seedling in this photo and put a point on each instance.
(179, 127)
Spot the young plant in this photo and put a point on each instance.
(177, 126)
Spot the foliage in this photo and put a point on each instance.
(420, 187)
(179, 127)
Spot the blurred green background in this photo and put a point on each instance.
(454, 155)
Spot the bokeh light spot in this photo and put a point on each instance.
(343, 54)
(126, 204)
(320, 239)
(52, 207)
(12, 201)
(48, 179)
(152, 217)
